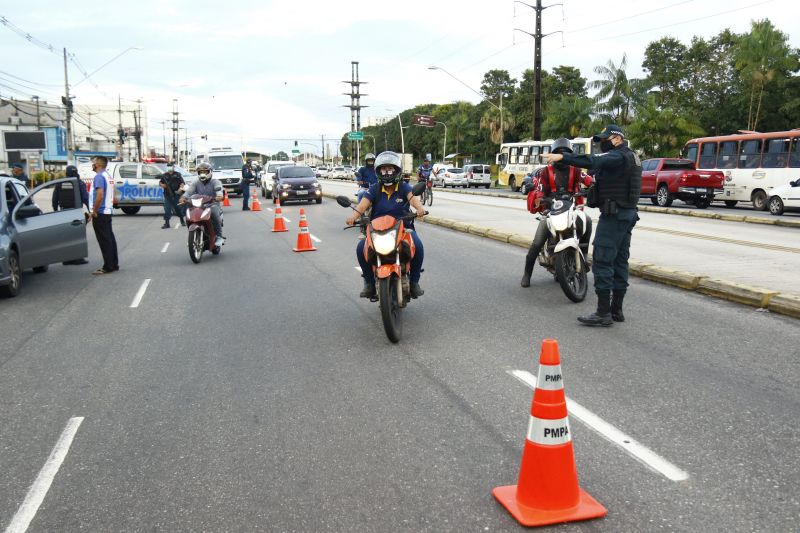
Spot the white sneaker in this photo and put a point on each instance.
(220, 241)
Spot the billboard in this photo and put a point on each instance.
(24, 140)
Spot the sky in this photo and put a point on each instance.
(250, 74)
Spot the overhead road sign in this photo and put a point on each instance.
(355, 136)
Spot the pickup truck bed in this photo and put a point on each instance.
(665, 179)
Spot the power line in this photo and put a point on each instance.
(28, 81)
(45, 92)
(629, 17)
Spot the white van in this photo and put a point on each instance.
(227, 166)
(478, 175)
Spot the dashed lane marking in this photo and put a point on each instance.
(140, 294)
(316, 240)
(614, 435)
(38, 491)
(164, 249)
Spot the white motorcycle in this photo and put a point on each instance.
(562, 255)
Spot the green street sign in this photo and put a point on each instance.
(355, 136)
(295, 151)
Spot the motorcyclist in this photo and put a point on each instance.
(366, 175)
(207, 185)
(551, 182)
(389, 196)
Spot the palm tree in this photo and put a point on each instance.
(661, 131)
(491, 121)
(568, 117)
(616, 94)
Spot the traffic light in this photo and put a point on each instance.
(295, 143)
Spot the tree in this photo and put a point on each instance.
(281, 156)
(665, 61)
(763, 56)
(497, 82)
(569, 116)
(661, 131)
(564, 81)
(616, 94)
(491, 121)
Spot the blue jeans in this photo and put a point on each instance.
(416, 263)
(171, 205)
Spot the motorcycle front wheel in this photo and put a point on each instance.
(390, 311)
(573, 283)
(196, 245)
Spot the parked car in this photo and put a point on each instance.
(478, 175)
(35, 237)
(786, 196)
(296, 184)
(339, 173)
(268, 176)
(322, 172)
(452, 177)
(526, 185)
(665, 179)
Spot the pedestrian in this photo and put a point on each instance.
(173, 184)
(65, 199)
(101, 198)
(247, 178)
(618, 179)
(18, 172)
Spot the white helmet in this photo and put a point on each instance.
(388, 159)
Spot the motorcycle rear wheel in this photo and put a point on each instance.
(390, 311)
(573, 283)
(196, 245)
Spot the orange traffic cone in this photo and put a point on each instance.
(255, 205)
(547, 491)
(304, 237)
(278, 224)
(225, 201)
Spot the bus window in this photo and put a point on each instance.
(524, 157)
(794, 156)
(727, 154)
(535, 155)
(502, 159)
(750, 154)
(776, 153)
(513, 158)
(708, 155)
(690, 152)
(578, 148)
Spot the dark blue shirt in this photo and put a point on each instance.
(396, 205)
(367, 176)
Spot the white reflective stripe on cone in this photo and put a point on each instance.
(549, 432)
(550, 378)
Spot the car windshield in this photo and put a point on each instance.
(274, 168)
(455, 170)
(338, 168)
(182, 171)
(297, 172)
(223, 162)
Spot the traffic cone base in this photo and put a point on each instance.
(586, 509)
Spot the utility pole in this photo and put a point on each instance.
(164, 136)
(38, 116)
(120, 130)
(138, 123)
(355, 106)
(67, 101)
(175, 130)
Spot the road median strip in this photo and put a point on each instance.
(776, 302)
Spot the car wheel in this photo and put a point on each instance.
(14, 284)
(653, 200)
(731, 203)
(760, 200)
(702, 203)
(776, 205)
(486, 186)
(41, 269)
(319, 200)
(131, 209)
(512, 184)
(663, 198)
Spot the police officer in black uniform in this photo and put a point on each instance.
(247, 178)
(618, 177)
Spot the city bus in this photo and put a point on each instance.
(517, 160)
(753, 163)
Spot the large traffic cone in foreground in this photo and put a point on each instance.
(278, 224)
(547, 491)
(254, 204)
(225, 201)
(304, 237)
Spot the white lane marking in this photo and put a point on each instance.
(164, 249)
(358, 269)
(139, 295)
(609, 432)
(316, 240)
(287, 220)
(178, 225)
(269, 209)
(38, 491)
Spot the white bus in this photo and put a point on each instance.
(753, 163)
(517, 160)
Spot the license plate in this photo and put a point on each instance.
(701, 189)
(302, 193)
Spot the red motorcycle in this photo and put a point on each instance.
(202, 236)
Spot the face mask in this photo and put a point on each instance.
(560, 165)
(606, 145)
(204, 177)
(170, 169)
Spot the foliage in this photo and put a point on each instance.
(661, 131)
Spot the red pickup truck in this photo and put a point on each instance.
(665, 179)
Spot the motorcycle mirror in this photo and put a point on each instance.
(343, 201)
(418, 188)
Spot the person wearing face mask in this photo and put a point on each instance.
(173, 184)
(550, 182)
(618, 175)
(366, 175)
(207, 185)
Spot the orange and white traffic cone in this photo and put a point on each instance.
(547, 491)
(304, 237)
(225, 201)
(255, 205)
(278, 224)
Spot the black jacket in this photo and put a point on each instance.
(618, 174)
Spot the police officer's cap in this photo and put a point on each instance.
(611, 129)
(17, 165)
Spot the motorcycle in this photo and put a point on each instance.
(562, 255)
(202, 236)
(389, 249)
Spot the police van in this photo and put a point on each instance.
(227, 166)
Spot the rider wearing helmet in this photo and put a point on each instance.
(424, 170)
(207, 185)
(389, 196)
(548, 183)
(366, 175)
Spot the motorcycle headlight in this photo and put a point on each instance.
(197, 202)
(384, 243)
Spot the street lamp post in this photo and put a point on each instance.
(374, 149)
(444, 144)
(402, 139)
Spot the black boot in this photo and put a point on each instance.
(415, 291)
(616, 306)
(526, 275)
(601, 317)
(369, 290)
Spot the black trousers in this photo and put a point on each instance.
(107, 242)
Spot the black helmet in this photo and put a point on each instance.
(72, 171)
(561, 145)
(205, 171)
(393, 165)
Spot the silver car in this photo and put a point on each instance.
(33, 234)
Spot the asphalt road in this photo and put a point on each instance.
(256, 391)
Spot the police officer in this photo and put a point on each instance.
(247, 178)
(618, 176)
(173, 184)
(19, 172)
